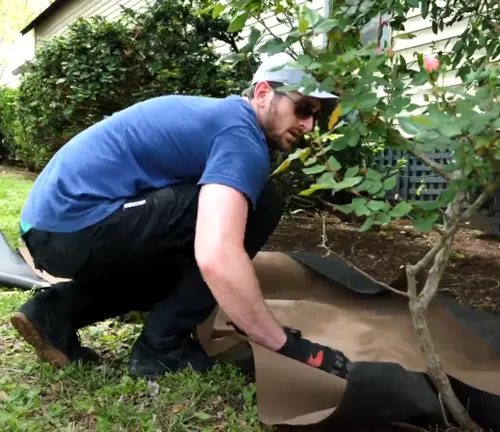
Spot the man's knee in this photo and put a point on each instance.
(270, 205)
(264, 219)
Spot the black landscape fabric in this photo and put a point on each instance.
(379, 392)
(376, 392)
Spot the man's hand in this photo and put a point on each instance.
(315, 355)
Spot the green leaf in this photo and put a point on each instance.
(68, 111)
(324, 150)
(367, 224)
(408, 126)
(450, 129)
(359, 202)
(447, 196)
(326, 25)
(425, 223)
(424, 8)
(304, 60)
(382, 218)
(217, 10)
(377, 205)
(362, 211)
(334, 164)
(311, 14)
(238, 22)
(326, 179)
(313, 189)
(272, 46)
(366, 185)
(301, 154)
(359, 207)
(351, 172)
(376, 187)
(424, 122)
(405, 36)
(315, 169)
(367, 101)
(348, 183)
(401, 209)
(420, 78)
(427, 205)
(345, 208)
(311, 160)
(390, 183)
(373, 174)
(303, 25)
(255, 34)
(203, 415)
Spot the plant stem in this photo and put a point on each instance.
(419, 303)
(329, 251)
(433, 165)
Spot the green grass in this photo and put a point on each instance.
(13, 192)
(35, 396)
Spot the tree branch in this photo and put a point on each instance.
(433, 165)
(323, 244)
(420, 303)
(263, 23)
(291, 25)
(396, 139)
(487, 192)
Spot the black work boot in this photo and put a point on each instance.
(174, 354)
(43, 323)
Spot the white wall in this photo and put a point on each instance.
(426, 42)
(278, 29)
(74, 9)
(22, 50)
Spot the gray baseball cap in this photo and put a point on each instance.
(277, 68)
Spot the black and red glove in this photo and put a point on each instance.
(313, 354)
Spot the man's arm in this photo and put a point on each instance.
(227, 268)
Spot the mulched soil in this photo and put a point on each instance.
(472, 276)
(16, 171)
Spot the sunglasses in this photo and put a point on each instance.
(303, 108)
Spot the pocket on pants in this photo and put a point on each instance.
(59, 254)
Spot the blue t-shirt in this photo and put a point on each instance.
(152, 144)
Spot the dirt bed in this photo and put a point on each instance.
(473, 276)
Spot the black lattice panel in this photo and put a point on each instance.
(415, 173)
(494, 215)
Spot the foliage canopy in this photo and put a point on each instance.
(98, 67)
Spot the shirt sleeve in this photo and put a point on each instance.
(238, 158)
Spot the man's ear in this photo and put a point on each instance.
(262, 92)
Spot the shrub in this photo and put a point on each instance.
(9, 126)
(99, 67)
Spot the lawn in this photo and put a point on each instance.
(37, 397)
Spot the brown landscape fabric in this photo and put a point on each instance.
(367, 328)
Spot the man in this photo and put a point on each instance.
(161, 207)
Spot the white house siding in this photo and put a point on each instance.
(426, 42)
(74, 9)
(277, 28)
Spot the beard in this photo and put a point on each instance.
(275, 140)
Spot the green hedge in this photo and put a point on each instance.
(99, 67)
(9, 124)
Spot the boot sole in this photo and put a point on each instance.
(32, 336)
